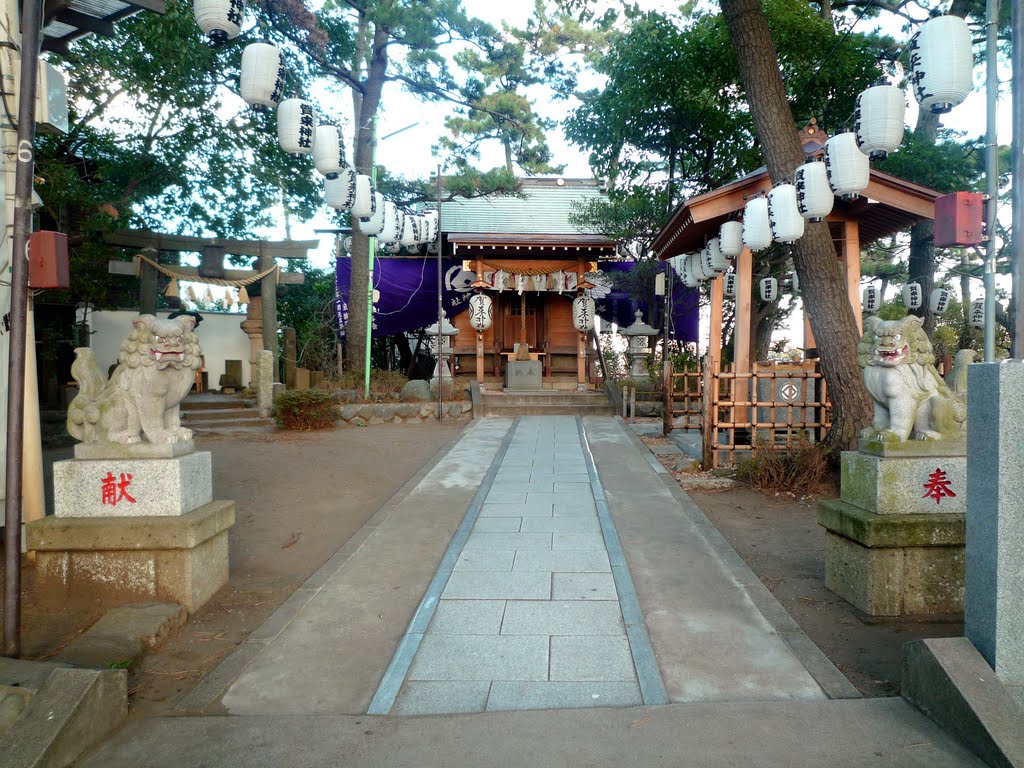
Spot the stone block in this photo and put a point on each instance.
(135, 451)
(302, 378)
(524, 375)
(116, 560)
(232, 377)
(132, 487)
(906, 484)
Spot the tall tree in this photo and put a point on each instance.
(814, 256)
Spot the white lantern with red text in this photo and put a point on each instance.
(786, 222)
(878, 120)
(730, 239)
(913, 296)
(757, 228)
(814, 198)
(340, 192)
(296, 126)
(938, 302)
(480, 312)
(329, 151)
(942, 63)
(769, 289)
(261, 82)
(220, 20)
(583, 312)
(871, 299)
(849, 170)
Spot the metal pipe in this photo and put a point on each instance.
(991, 173)
(1017, 243)
(440, 308)
(31, 17)
(371, 243)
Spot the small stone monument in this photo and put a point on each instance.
(895, 538)
(134, 515)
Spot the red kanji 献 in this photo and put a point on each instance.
(114, 490)
(937, 486)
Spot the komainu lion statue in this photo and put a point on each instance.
(911, 399)
(156, 369)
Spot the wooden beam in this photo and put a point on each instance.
(279, 249)
(715, 320)
(56, 45)
(744, 294)
(155, 6)
(850, 258)
(85, 23)
(192, 273)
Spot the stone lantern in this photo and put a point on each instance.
(639, 334)
(443, 347)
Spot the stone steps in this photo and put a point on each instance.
(223, 415)
(546, 403)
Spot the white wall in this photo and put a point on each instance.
(220, 339)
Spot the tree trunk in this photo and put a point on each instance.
(365, 110)
(814, 255)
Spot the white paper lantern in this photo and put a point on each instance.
(938, 302)
(296, 126)
(729, 288)
(705, 270)
(692, 273)
(769, 289)
(220, 20)
(730, 239)
(786, 222)
(389, 232)
(364, 204)
(480, 312)
(849, 169)
(757, 229)
(329, 150)
(583, 311)
(716, 259)
(871, 299)
(913, 297)
(340, 192)
(390, 248)
(261, 83)
(941, 63)
(430, 219)
(410, 231)
(814, 198)
(878, 120)
(978, 313)
(374, 224)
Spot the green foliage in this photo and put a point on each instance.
(309, 309)
(801, 469)
(949, 165)
(306, 410)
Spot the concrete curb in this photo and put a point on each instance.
(825, 673)
(231, 667)
(950, 682)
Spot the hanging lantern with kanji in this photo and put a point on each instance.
(480, 312)
(757, 228)
(978, 313)
(849, 170)
(942, 63)
(913, 296)
(220, 20)
(729, 287)
(871, 299)
(878, 120)
(938, 302)
(410, 226)
(296, 126)
(373, 225)
(786, 222)
(340, 192)
(730, 239)
(814, 197)
(769, 289)
(329, 150)
(691, 270)
(583, 312)
(391, 229)
(716, 261)
(364, 204)
(261, 82)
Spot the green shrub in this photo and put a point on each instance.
(306, 410)
(801, 469)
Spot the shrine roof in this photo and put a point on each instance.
(888, 205)
(67, 20)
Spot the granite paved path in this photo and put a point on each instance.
(530, 617)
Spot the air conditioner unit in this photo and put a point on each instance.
(51, 93)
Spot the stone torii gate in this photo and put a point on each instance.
(261, 323)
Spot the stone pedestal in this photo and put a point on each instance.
(524, 375)
(895, 538)
(994, 616)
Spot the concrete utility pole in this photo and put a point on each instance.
(991, 173)
(1017, 244)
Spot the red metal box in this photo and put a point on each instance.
(959, 220)
(48, 260)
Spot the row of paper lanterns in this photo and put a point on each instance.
(913, 298)
(299, 132)
(481, 312)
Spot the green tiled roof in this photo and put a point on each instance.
(544, 209)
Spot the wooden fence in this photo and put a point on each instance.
(774, 405)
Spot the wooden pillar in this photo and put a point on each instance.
(850, 257)
(268, 292)
(581, 360)
(809, 342)
(289, 358)
(480, 358)
(147, 283)
(744, 293)
(715, 329)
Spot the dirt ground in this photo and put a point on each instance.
(299, 497)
